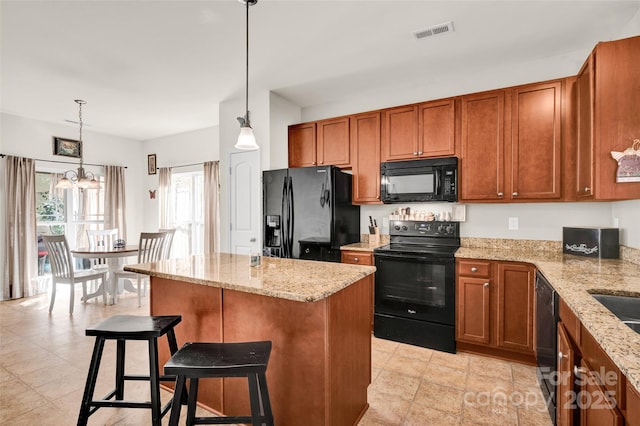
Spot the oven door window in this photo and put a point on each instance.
(417, 289)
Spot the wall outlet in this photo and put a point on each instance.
(513, 224)
(616, 222)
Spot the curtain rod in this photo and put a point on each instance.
(62, 162)
(184, 165)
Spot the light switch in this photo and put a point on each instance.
(513, 224)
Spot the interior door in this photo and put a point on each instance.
(244, 194)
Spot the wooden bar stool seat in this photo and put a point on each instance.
(195, 361)
(123, 328)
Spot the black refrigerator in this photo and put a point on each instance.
(308, 213)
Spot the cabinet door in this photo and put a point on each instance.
(333, 142)
(302, 145)
(596, 407)
(482, 145)
(515, 284)
(584, 164)
(472, 310)
(436, 126)
(400, 133)
(536, 141)
(365, 157)
(565, 393)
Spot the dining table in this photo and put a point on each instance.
(114, 260)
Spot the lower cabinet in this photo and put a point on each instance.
(494, 308)
(591, 389)
(358, 257)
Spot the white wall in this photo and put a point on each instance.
(197, 146)
(31, 138)
(282, 112)
(627, 214)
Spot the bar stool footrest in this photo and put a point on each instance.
(226, 420)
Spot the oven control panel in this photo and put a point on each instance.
(418, 228)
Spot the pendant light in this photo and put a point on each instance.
(246, 139)
(84, 180)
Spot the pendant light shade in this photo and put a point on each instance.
(246, 139)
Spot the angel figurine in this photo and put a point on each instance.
(628, 163)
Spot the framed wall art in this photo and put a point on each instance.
(67, 147)
(151, 164)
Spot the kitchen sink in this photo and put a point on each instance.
(626, 308)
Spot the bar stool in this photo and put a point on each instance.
(202, 360)
(123, 328)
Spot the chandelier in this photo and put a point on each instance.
(246, 139)
(83, 179)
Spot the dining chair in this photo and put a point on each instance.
(62, 271)
(101, 238)
(151, 248)
(168, 241)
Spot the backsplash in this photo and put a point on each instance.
(511, 244)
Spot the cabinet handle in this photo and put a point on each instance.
(474, 269)
(561, 355)
(579, 370)
(313, 162)
(515, 194)
(322, 162)
(500, 194)
(419, 152)
(415, 153)
(587, 189)
(355, 259)
(485, 285)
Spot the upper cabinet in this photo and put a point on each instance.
(365, 157)
(511, 144)
(302, 145)
(322, 143)
(419, 131)
(608, 88)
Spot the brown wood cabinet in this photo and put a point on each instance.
(400, 133)
(322, 143)
(482, 161)
(494, 312)
(358, 257)
(592, 391)
(565, 392)
(419, 131)
(511, 144)
(302, 145)
(365, 157)
(608, 111)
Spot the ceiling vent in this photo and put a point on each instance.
(439, 29)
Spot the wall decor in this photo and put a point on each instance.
(152, 194)
(151, 164)
(67, 147)
(628, 163)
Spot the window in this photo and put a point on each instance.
(188, 213)
(69, 212)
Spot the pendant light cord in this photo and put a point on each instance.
(246, 93)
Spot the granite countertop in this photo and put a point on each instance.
(574, 278)
(293, 279)
(363, 246)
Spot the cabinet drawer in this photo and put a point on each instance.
(474, 268)
(357, 257)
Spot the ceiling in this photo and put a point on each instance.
(154, 68)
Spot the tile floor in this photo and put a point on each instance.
(44, 360)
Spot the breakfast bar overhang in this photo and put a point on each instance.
(318, 316)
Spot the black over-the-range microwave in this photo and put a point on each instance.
(416, 181)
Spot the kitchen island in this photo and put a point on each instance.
(317, 315)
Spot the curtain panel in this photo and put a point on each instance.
(164, 197)
(20, 277)
(211, 207)
(114, 200)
